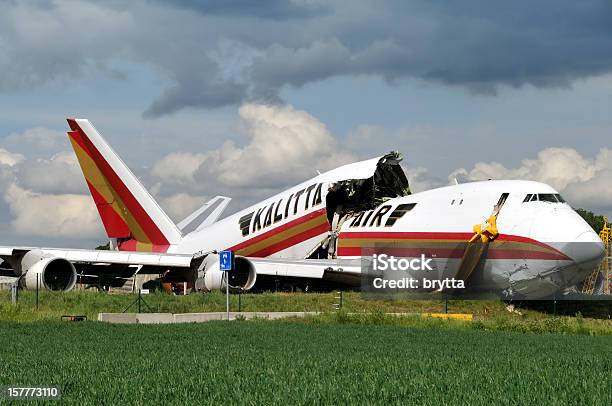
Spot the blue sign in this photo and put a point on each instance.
(226, 261)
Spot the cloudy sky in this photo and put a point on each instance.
(244, 98)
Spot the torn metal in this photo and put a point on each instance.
(344, 198)
(354, 195)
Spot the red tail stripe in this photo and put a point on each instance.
(115, 226)
(146, 223)
(131, 245)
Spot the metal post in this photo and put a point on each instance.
(445, 304)
(37, 279)
(14, 293)
(139, 299)
(239, 301)
(227, 293)
(341, 294)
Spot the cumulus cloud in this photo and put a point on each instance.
(45, 197)
(37, 141)
(9, 159)
(555, 166)
(181, 205)
(178, 166)
(67, 215)
(59, 174)
(284, 146)
(420, 179)
(583, 181)
(473, 45)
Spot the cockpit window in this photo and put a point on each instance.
(544, 197)
(547, 197)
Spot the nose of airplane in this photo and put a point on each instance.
(586, 249)
(565, 230)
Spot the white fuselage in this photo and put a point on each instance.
(538, 239)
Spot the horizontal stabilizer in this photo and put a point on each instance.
(203, 217)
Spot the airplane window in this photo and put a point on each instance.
(547, 197)
(560, 198)
(534, 198)
(527, 198)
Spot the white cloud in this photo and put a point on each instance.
(178, 166)
(555, 166)
(181, 205)
(285, 146)
(59, 174)
(61, 216)
(420, 179)
(36, 141)
(584, 182)
(9, 159)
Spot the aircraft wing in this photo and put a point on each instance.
(112, 268)
(93, 257)
(62, 267)
(333, 270)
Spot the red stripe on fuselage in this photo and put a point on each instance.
(399, 237)
(493, 253)
(272, 232)
(291, 241)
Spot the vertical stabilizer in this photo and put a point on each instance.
(129, 213)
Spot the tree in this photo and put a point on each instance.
(596, 221)
(104, 247)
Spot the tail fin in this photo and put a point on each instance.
(127, 210)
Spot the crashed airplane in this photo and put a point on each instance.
(517, 236)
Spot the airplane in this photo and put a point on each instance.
(519, 237)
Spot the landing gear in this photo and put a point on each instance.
(295, 287)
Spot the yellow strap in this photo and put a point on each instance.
(487, 231)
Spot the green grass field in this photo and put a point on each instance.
(264, 362)
(490, 315)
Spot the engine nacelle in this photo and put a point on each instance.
(242, 277)
(51, 272)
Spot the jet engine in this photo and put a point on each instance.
(242, 277)
(52, 273)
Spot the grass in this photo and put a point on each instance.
(520, 324)
(264, 362)
(489, 315)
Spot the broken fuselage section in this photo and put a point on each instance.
(333, 197)
(304, 222)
